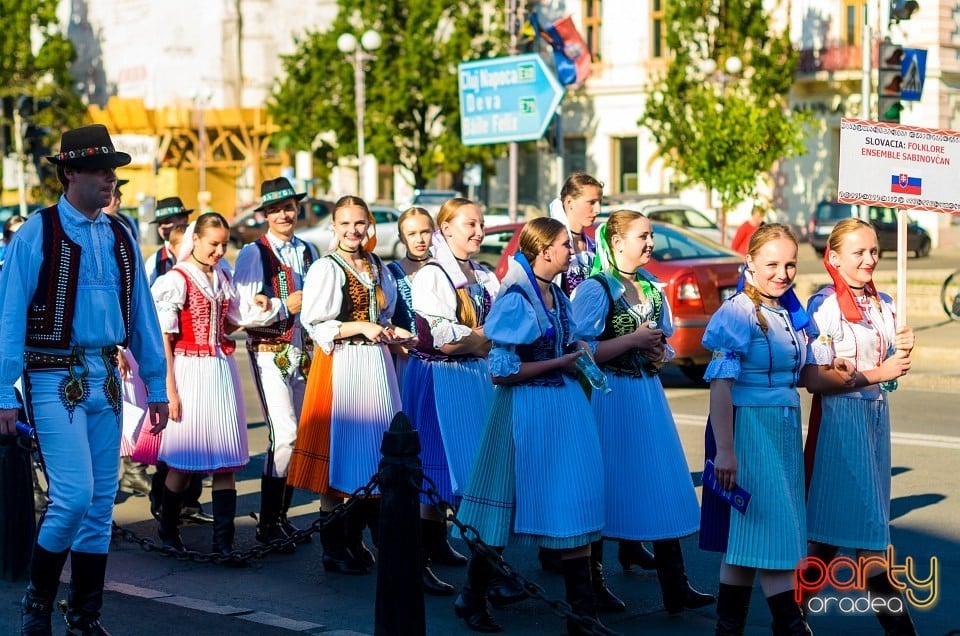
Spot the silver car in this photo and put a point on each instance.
(388, 245)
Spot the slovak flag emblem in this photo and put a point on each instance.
(903, 183)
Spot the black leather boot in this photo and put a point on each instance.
(893, 623)
(336, 556)
(788, 618)
(431, 582)
(677, 593)
(36, 607)
(503, 591)
(471, 604)
(633, 553)
(363, 513)
(550, 560)
(607, 601)
(269, 528)
(224, 513)
(133, 477)
(441, 552)
(580, 596)
(86, 594)
(733, 604)
(288, 527)
(169, 528)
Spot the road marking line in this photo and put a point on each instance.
(900, 439)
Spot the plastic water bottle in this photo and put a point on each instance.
(889, 386)
(595, 376)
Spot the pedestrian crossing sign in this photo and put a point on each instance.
(913, 70)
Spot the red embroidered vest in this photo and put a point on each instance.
(277, 283)
(196, 326)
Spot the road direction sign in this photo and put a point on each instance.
(506, 99)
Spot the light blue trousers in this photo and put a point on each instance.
(81, 452)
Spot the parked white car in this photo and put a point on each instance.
(388, 246)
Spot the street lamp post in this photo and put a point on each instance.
(201, 99)
(357, 54)
(732, 68)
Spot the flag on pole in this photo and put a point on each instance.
(570, 53)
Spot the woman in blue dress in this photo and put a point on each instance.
(754, 438)
(853, 325)
(450, 296)
(538, 474)
(416, 228)
(622, 311)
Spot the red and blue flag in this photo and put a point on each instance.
(905, 184)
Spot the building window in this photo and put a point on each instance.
(592, 19)
(658, 46)
(625, 164)
(575, 154)
(852, 22)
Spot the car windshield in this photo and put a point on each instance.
(672, 244)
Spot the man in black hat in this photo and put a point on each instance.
(73, 291)
(170, 213)
(269, 276)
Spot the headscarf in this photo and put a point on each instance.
(186, 243)
(445, 258)
(520, 273)
(789, 301)
(605, 263)
(845, 297)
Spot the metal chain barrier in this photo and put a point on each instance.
(257, 551)
(471, 537)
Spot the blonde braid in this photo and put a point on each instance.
(754, 295)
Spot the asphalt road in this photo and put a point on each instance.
(154, 595)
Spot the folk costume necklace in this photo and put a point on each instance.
(373, 310)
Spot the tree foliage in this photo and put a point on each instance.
(412, 96)
(725, 131)
(35, 58)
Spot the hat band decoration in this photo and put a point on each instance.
(170, 211)
(86, 152)
(276, 195)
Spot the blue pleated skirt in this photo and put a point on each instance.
(649, 492)
(447, 402)
(538, 475)
(848, 503)
(772, 535)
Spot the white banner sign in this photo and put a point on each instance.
(897, 166)
(141, 148)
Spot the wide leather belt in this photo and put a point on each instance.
(33, 360)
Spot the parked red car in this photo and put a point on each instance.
(699, 275)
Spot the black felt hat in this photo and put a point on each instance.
(89, 147)
(274, 190)
(171, 206)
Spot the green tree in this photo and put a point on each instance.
(412, 96)
(37, 73)
(726, 131)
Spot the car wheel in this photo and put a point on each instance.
(399, 251)
(924, 250)
(694, 372)
(819, 252)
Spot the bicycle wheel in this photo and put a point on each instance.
(950, 295)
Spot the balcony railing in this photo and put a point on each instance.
(833, 57)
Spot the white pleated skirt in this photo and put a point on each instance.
(211, 434)
(649, 491)
(772, 535)
(538, 474)
(848, 504)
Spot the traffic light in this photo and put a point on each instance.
(902, 9)
(889, 82)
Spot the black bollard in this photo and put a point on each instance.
(400, 609)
